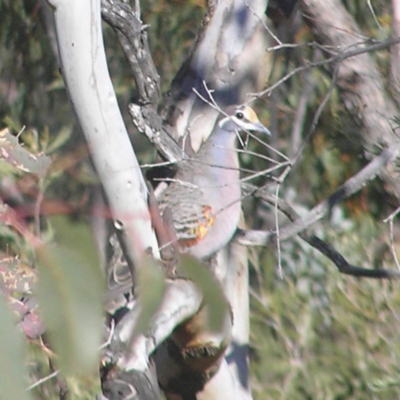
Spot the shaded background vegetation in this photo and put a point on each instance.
(315, 334)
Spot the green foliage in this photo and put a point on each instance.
(317, 334)
(214, 299)
(70, 297)
(12, 371)
(149, 276)
(173, 26)
(29, 64)
(18, 157)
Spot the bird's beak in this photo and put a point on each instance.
(258, 126)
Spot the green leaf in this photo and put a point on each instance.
(213, 295)
(12, 369)
(60, 139)
(14, 154)
(149, 276)
(70, 292)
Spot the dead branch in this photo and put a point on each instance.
(165, 144)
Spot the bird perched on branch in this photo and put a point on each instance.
(203, 200)
(204, 197)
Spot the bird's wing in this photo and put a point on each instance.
(192, 217)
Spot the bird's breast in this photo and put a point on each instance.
(220, 190)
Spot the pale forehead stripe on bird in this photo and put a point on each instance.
(242, 117)
(250, 114)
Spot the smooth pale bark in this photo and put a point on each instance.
(85, 72)
(182, 300)
(229, 58)
(225, 384)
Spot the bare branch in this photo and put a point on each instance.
(85, 73)
(343, 266)
(182, 300)
(133, 39)
(162, 141)
(43, 380)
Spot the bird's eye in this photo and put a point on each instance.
(239, 115)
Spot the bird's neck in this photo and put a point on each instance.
(219, 152)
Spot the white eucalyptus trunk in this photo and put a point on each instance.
(85, 72)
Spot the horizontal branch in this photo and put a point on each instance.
(343, 265)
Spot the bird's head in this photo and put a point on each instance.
(241, 118)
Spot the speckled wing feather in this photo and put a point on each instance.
(192, 217)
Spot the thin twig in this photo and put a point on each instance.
(374, 15)
(278, 239)
(263, 23)
(316, 117)
(266, 145)
(340, 57)
(390, 219)
(43, 380)
(38, 206)
(110, 336)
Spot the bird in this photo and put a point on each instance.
(204, 197)
(202, 201)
